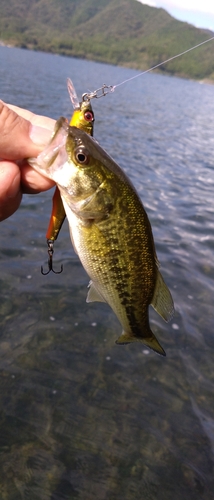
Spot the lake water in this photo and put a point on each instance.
(80, 417)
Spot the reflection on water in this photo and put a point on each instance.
(80, 416)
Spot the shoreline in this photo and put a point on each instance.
(202, 81)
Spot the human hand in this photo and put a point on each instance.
(22, 135)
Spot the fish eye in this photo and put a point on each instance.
(82, 156)
(89, 116)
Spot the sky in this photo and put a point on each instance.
(200, 13)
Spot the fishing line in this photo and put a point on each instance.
(160, 64)
(106, 89)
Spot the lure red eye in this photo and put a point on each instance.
(89, 116)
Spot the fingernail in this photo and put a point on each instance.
(40, 136)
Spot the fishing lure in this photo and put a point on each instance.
(83, 118)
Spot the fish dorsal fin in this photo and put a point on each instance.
(93, 294)
(162, 299)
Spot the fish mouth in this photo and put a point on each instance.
(54, 154)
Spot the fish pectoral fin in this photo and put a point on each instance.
(151, 342)
(93, 294)
(162, 300)
(97, 206)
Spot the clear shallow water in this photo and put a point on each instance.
(79, 416)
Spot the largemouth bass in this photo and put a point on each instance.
(83, 117)
(110, 231)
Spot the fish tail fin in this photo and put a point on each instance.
(150, 341)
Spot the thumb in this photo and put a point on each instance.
(15, 141)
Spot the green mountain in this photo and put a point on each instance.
(123, 32)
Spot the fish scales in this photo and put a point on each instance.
(119, 255)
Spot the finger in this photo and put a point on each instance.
(32, 182)
(36, 120)
(10, 192)
(15, 142)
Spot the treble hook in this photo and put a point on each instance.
(50, 260)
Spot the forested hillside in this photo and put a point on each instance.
(123, 32)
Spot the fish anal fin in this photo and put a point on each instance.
(151, 342)
(162, 300)
(93, 294)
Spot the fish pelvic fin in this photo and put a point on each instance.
(93, 294)
(162, 300)
(151, 341)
